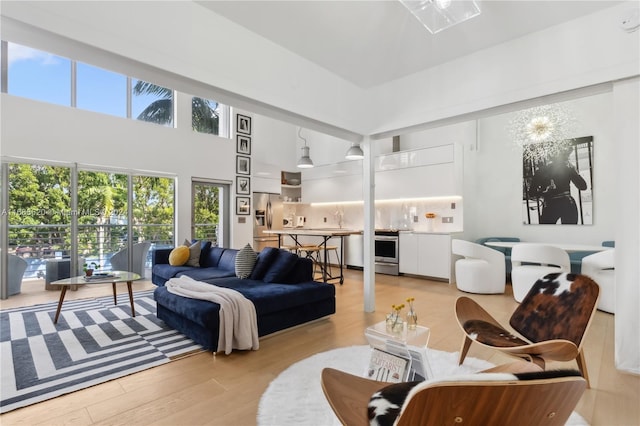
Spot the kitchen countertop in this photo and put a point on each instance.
(313, 231)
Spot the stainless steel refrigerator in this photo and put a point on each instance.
(268, 211)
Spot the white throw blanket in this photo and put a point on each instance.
(238, 319)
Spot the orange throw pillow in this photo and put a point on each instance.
(179, 256)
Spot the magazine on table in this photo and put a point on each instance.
(395, 354)
(387, 367)
(100, 276)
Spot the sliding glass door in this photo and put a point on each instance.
(58, 218)
(210, 211)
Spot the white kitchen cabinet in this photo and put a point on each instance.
(408, 252)
(354, 250)
(426, 254)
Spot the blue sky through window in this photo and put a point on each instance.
(39, 75)
(101, 90)
(42, 76)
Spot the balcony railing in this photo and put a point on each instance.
(96, 243)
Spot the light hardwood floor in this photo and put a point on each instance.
(225, 390)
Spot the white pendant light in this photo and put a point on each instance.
(355, 152)
(305, 161)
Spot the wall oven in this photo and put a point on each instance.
(387, 256)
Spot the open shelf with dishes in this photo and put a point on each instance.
(291, 187)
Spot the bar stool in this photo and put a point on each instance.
(312, 252)
(329, 250)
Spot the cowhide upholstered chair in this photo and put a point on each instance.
(551, 320)
(485, 398)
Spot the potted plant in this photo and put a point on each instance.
(88, 268)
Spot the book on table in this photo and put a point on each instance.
(100, 276)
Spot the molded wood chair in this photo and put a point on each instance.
(478, 399)
(552, 320)
(532, 261)
(481, 271)
(601, 268)
(120, 260)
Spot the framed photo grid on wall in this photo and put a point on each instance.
(243, 144)
(243, 124)
(243, 185)
(243, 165)
(243, 205)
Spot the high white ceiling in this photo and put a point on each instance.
(372, 42)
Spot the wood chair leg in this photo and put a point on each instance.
(466, 344)
(582, 366)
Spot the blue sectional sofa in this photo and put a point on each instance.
(280, 286)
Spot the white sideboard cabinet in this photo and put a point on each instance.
(426, 254)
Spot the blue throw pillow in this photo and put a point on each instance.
(205, 246)
(265, 258)
(280, 267)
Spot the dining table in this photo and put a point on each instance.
(325, 234)
(568, 247)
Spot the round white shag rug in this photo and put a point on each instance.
(295, 397)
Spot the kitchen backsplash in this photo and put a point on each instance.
(389, 215)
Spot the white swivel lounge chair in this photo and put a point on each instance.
(531, 262)
(481, 271)
(601, 268)
(120, 260)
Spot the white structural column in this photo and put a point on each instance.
(626, 108)
(369, 193)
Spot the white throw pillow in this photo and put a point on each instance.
(245, 261)
(194, 253)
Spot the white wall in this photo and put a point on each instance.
(189, 40)
(493, 179)
(42, 131)
(586, 51)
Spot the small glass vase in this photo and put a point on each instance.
(391, 319)
(398, 326)
(412, 320)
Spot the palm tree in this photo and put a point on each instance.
(204, 115)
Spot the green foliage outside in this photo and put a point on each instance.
(40, 210)
(204, 115)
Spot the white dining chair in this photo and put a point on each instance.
(531, 262)
(482, 270)
(600, 267)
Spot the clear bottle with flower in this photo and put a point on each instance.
(412, 317)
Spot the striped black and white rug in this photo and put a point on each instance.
(93, 342)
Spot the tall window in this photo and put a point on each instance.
(152, 103)
(153, 210)
(210, 212)
(38, 75)
(101, 90)
(39, 214)
(205, 115)
(102, 213)
(42, 76)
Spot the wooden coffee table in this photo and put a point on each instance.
(114, 278)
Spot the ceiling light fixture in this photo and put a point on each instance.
(355, 152)
(305, 161)
(542, 131)
(437, 15)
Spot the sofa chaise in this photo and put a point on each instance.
(280, 286)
